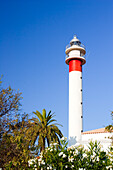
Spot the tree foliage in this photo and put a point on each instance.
(15, 144)
(14, 140)
(9, 101)
(109, 128)
(9, 106)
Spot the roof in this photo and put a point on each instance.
(101, 130)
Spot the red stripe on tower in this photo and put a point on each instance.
(75, 65)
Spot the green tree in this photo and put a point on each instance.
(44, 130)
(9, 106)
(109, 128)
(15, 148)
(15, 144)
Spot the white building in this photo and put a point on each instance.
(100, 135)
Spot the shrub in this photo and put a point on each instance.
(59, 157)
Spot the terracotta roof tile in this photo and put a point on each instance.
(101, 130)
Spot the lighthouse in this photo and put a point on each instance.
(75, 58)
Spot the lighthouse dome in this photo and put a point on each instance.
(75, 41)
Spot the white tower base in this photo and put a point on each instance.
(75, 107)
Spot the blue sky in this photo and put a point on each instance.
(33, 38)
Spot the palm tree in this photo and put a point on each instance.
(44, 130)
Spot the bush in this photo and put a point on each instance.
(59, 157)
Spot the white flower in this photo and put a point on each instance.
(66, 166)
(72, 147)
(61, 153)
(55, 144)
(39, 160)
(51, 150)
(51, 145)
(81, 169)
(97, 158)
(47, 167)
(76, 151)
(63, 138)
(84, 155)
(31, 161)
(72, 166)
(41, 155)
(64, 156)
(94, 154)
(111, 159)
(71, 159)
(92, 157)
(43, 163)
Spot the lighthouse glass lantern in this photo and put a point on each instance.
(75, 53)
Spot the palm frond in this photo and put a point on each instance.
(56, 124)
(39, 115)
(44, 114)
(35, 120)
(49, 113)
(50, 116)
(52, 120)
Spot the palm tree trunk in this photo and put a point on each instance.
(43, 146)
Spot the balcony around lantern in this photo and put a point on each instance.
(81, 45)
(80, 48)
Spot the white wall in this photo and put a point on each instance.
(100, 137)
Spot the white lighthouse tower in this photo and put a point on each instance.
(75, 59)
